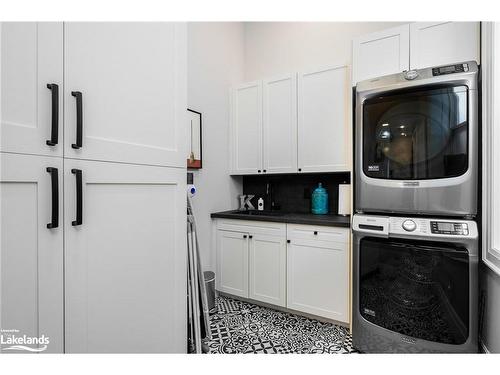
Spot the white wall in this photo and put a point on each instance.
(273, 48)
(215, 63)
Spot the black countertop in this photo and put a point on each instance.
(285, 217)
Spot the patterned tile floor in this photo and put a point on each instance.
(242, 327)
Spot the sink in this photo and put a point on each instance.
(260, 213)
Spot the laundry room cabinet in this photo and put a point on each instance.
(31, 266)
(246, 128)
(31, 91)
(300, 267)
(251, 260)
(441, 43)
(292, 123)
(414, 46)
(318, 271)
(380, 53)
(324, 120)
(93, 190)
(125, 258)
(124, 92)
(280, 124)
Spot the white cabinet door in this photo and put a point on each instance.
(380, 53)
(323, 124)
(246, 128)
(132, 80)
(280, 124)
(31, 267)
(268, 269)
(317, 278)
(31, 58)
(232, 262)
(126, 261)
(441, 43)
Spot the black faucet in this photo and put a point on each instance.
(269, 201)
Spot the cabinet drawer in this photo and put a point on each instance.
(252, 227)
(319, 233)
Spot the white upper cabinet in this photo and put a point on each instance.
(324, 108)
(31, 89)
(246, 137)
(381, 53)
(441, 43)
(125, 91)
(31, 253)
(125, 258)
(280, 124)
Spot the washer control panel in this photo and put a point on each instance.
(414, 227)
(447, 227)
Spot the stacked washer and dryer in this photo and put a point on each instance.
(415, 235)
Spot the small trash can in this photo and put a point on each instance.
(209, 277)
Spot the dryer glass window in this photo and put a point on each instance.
(416, 134)
(416, 288)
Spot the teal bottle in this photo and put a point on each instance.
(319, 201)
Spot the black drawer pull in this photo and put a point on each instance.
(287, 241)
(54, 177)
(79, 119)
(315, 232)
(79, 197)
(244, 236)
(250, 236)
(54, 133)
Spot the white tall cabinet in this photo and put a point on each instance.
(31, 59)
(123, 224)
(125, 273)
(131, 81)
(31, 258)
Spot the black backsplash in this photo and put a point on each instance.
(292, 193)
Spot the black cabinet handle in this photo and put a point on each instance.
(300, 169)
(79, 197)
(264, 171)
(287, 241)
(79, 119)
(250, 236)
(244, 236)
(258, 171)
(54, 177)
(316, 232)
(54, 133)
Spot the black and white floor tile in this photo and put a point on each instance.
(242, 327)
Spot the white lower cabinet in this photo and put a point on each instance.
(232, 262)
(125, 258)
(318, 271)
(31, 255)
(267, 267)
(309, 272)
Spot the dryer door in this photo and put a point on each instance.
(416, 288)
